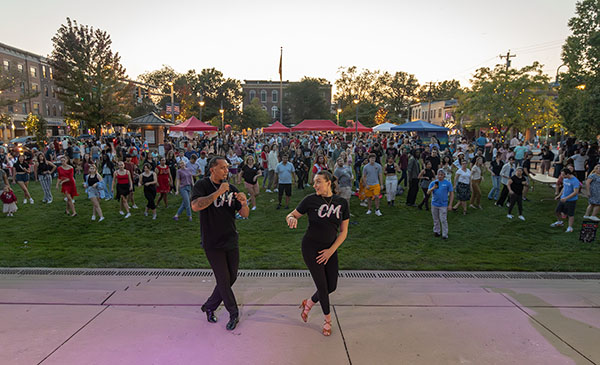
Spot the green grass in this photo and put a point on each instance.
(400, 240)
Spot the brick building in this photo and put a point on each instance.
(436, 112)
(37, 76)
(268, 94)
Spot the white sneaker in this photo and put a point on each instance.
(586, 217)
(521, 218)
(368, 211)
(65, 199)
(121, 212)
(30, 200)
(146, 214)
(276, 190)
(363, 203)
(93, 217)
(154, 217)
(594, 218)
(101, 219)
(127, 215)
(254, 207)
(509, 216)
(50, 201)
(134, 206)
(268, 191)
(378, 213)
(557, 224)
(569, 229)
(25, 201)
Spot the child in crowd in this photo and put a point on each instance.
(9, 199)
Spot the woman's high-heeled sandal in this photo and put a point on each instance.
(305, 310)
(327, 331)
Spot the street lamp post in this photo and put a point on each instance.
(355, 101)
(201, 103)
(172, 102)
(222, 111)
(338, 115)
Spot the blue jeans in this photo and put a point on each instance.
(495, 192)
(184, 191)
(108, 180)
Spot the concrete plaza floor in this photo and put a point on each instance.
(156, 319)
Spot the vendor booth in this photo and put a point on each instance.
(385, 127)
(324, 125)
(359, 127)
(276, 128)
(193, 124)
(425, 131)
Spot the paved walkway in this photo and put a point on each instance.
(54, 319)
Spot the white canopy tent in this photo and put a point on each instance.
(385, 127)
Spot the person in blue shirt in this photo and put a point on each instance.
(440, 189)
(568, 199)
(520, 153)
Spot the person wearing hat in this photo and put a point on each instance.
(442, 194)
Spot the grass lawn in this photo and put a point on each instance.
(401, 239)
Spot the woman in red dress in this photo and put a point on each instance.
(165, 180)
(67, 184)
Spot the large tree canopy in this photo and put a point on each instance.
(89, 76)
(306, 100)
(507, 99)
(579, 94)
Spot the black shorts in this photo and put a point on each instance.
(287, 188)
(122, 190)
(567, 208)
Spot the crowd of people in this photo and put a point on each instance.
(372, 167)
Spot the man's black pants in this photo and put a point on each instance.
(224, 264)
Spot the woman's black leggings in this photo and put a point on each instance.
(324, 276)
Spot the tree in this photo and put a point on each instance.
(89, 76)
(254, 116)
(353, 84)
(306, 99)
(36, 126)
(507, 99)
(9, 80)
(445, 90)
(381, 116)
(397, 92)
(579, 94)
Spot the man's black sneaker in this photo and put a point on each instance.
(436, 234)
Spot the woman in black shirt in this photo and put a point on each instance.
(515, 185)
(328, 217)
(44, 170)
(250, 174)
(22, 172)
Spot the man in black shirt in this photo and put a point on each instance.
(218, 202)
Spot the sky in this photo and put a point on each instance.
(435, 40)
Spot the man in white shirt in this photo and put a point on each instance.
(273, 160)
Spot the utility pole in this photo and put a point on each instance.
(508, 57)
(429, 99)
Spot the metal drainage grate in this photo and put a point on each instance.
(348, 274)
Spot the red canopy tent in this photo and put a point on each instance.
(317, 125)
(193, 124)
(276, 128)
(361, 128)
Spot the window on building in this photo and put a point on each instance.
(44, 72)
(60, 113)
(274, 112)
(24, 108)
(11, 109)
(263, 96)
(53, 92)
(22, 87)
(53, 110)
(423, 115)
(439, 112)
(50, 70)
(6, 65)
(252, 95)
(46, 91)
(47, 110)
(33, 71)
(36, 108)
(20, 67)
(35, 87)
(274, 96)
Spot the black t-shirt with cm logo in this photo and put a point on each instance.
(325, 215)
(217, 221)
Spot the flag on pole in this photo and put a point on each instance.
(280, 65)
